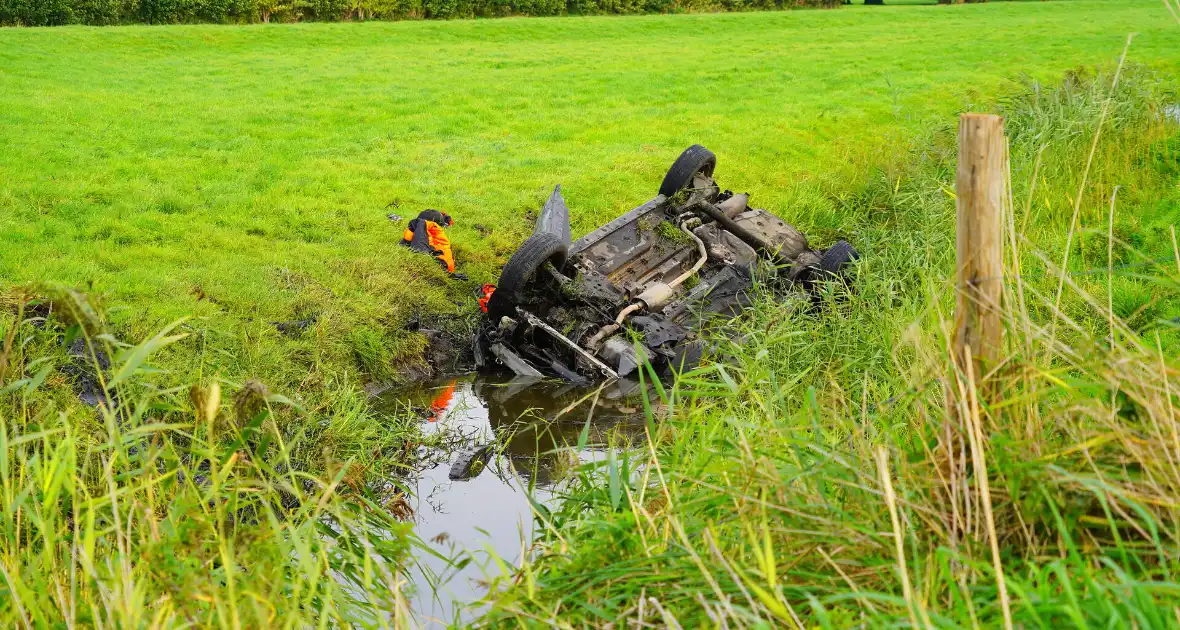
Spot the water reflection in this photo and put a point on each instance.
(509, 438)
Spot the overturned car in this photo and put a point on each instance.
(641, 287)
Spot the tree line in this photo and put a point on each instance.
(106, 12)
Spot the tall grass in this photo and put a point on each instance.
(175, 506)
(836, 468)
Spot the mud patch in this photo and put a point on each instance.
(295, 328)
(83, 370)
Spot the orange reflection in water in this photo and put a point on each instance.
(439, 405)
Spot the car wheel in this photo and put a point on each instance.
(837, 257)
(695, 159)
(539, 249)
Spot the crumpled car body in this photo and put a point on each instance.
(643, 287)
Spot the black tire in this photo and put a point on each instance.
(537, 250)
(695, 159)
(838, 257)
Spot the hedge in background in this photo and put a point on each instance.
(102, 12)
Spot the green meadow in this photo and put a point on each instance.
(242, 175)
(174, 192)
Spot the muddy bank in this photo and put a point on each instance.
(447, 352)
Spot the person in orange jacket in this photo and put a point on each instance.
(425, 234)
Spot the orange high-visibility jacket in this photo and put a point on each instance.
(425, 234)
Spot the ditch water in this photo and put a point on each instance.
(504, 440)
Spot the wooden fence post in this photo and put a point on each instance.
(980, 192)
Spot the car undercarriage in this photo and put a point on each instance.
(643, 287)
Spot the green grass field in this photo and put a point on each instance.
(241, 176)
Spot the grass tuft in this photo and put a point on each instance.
(165, 506)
